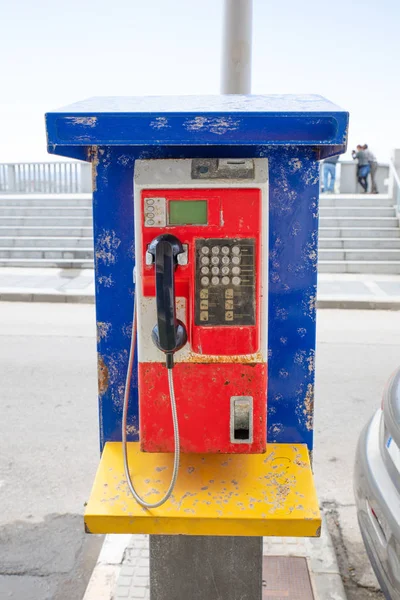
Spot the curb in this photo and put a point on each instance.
(359, 303)
(33, 295)
(122, 570)
(45, 296)
(106, 572)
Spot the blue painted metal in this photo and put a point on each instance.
(114, 133)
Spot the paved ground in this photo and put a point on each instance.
(72, 285)
(48, 450)
(49, 445)
(129, 578)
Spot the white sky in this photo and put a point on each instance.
(56, 52)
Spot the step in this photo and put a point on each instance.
(45, 221)
(364, 201)
(363, 254)
(353, 196)
(356, 243)
(46, 231)
(357, 211)
(371, 267)
(60, 263)
(84, 200)
(45, 242)
(359, 222)
(53, 253)
(45, 211)
(362, 232)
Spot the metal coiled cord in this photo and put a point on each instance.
(125, 418)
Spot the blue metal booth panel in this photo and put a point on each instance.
(294, 133)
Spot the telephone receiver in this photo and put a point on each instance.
(169, 334)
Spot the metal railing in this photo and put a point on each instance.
(45, 178)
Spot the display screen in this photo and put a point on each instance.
(187, 212)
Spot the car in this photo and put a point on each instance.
(377, 489)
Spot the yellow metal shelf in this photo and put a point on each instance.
(270, 494)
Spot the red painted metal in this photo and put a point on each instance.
(203, 393)
(203, 390)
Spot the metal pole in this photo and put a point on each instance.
(237, 45)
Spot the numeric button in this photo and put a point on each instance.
(205, 250)
(205, 281)
(225, 250)
(225, 260)
(205, 260)
(214, 260)
(215, 280)
(215, 250)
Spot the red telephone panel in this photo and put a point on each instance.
(220, 376)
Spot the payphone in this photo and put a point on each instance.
(201, 300)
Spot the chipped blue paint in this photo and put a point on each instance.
(249, 127)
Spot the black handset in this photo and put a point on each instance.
(169, 335)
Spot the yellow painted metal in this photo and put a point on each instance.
(270, 494)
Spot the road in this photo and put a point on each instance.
(48, 449)
(356, 353)
(49, 440)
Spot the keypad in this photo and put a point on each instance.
(225, 272)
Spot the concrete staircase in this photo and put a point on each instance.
(358, 233)
(39, 230)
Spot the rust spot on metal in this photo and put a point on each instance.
(102, 375)
(249, 359)
(107, 244)
(93, 157)
(87, 530)
(88, 121)
(103, 330)
(308, 410)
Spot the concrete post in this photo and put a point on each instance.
(394, 186)
(205, 567)
(86, 178)
(11, 181)
(237, 46)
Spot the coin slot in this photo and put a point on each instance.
(241, 419)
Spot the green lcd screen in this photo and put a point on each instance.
(187, 212)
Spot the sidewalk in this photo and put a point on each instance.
(46, 285)
(122, 570)
(72, 285)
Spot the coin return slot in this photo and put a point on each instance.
(241, 419)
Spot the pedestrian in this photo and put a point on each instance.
(363, 168)
(373, 165)
(329, 172)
